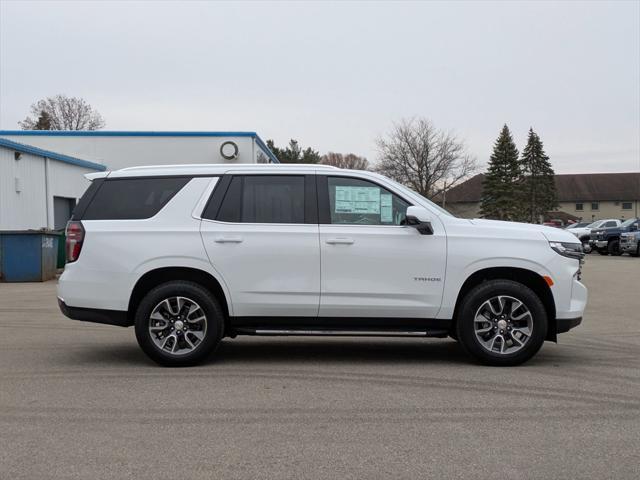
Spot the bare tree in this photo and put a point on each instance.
(62, 113)
(426, 159)
(349, 161)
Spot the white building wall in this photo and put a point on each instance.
(32, 206)
(27, 208)
(129, 151)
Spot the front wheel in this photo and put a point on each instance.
(614, 248)
(502, 323)
(178, 324)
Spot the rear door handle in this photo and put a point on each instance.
(340, 241)
(228, 240)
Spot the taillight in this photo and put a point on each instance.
(75, 237)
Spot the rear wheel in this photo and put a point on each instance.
(502, 323)
(178, 323)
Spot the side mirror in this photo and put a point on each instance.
(420, 219)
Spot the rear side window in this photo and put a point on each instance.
(132, 198)
(264, 199)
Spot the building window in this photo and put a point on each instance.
(595, 206)
(627, 205)
(579, 207)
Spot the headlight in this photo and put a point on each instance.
(566, 249)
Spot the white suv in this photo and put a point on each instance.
(190, 254)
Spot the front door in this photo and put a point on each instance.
(372, 265)
(263, 240)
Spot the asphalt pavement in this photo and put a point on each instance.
(81, 401)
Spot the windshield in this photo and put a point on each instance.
(626, 223)
(577, 225)
(595, 224)
(409, 190)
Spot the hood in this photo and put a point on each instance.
(552, 234)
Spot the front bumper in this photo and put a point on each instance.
(628, 247)
(601, 243)
(565, 324)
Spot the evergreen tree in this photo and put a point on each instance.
(293, 153)
(501, 182)
(44, 122)
(538, 192)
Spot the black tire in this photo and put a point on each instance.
(614, 248)
(603, 251)
(478, 296)
(214, 323)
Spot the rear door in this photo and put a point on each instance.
(261, 234)
(372, 264)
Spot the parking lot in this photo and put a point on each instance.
(82, 401)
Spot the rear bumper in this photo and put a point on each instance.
(566, 324)
(95, 315)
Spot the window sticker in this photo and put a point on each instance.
(363, 200)
(386, 211)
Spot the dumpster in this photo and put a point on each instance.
(28, 256)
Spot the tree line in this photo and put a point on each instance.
(413, 152)
(518, 187)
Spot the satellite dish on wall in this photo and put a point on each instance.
(229, 150)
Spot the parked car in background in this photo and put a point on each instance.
(607, 240)
(572, 226)
(630, 243)
(583, 232)
(189, 254)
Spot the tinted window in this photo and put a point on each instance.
(135, 198)
(264, 199)
(359, 202)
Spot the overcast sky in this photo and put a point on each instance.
(336, 75)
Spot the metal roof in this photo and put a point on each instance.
(122, 133)
(577, 187)
(39, 152)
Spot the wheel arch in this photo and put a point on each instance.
(158, 276)
(524, 276)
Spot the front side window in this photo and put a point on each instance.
(359, 202)
(264, 199)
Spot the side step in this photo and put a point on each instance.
(315, 332)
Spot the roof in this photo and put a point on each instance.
(21, 147)
(123, 133)
(210, 169)
(578, 187)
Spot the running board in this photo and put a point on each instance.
(338, 332)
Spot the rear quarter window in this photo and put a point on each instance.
(132, 198)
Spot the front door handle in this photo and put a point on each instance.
(228, 240)
(340, 241)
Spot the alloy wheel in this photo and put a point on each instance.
(177, 325)
(503, 325)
